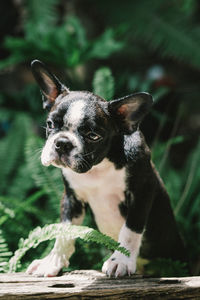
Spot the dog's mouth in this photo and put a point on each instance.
(77, 162)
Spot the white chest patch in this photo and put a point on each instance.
(103, 188)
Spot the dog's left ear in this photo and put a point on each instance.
(130, 110)
(49, 84)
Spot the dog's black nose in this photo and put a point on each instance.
(63, 145)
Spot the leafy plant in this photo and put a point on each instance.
(169, 29)
(52, 231)
(72, 45)
(14, 154)
(161, 267)
(5, 254)
(149, 35)
(6, 212)
(47, 179)
(103, 83)
(183, 188)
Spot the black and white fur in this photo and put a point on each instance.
(105, 163)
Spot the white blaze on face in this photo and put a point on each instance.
(48, 154)
(75, 113)
(74, 116)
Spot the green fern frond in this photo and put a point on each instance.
(12, 148)
(190, 187)
(103, 83)
(75, 28)
(5, 212)
(166, 267)
(186, 200)
(22, 183)
(72, 45)
(41, 16)
(105, 45)
(172, 36)
(48, 179)
(52, 231)
(5, 254)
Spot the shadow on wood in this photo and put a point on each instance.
(95, 285)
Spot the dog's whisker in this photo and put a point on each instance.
(87, 154)
(85, 163)
(38, 151)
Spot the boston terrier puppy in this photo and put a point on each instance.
(105, 163)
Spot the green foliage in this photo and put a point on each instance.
(149, 34)
(40, 17)
(47, 179)
(161, 267)
(72, 45)
(191, 186)
(13, 170)
(20, 204)
(70, 232)
(183, 188)
(5, 212)
(103, 83)
(12, 148)
(105, 45)
(94, 254)
(170, 30)
(5, 254)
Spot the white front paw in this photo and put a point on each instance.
(119, 265)
(49, 266)
(58, 258)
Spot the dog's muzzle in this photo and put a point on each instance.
(63, 151)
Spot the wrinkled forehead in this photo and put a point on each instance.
(80, 108)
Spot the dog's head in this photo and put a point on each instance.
(81, 125)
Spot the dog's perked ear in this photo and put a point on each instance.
(129, 111)
(50, 86)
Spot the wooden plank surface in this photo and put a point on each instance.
(95, 285)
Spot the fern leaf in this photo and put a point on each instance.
(191, 185)
(5, 254)
(171, 36)
(105, 45)
(52, 231)
(12, 148)
(103, 83)
(46, 178)
(75, 28)
(41, 16)
(22, 183)
(5, 212)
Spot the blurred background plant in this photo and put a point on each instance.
(113, 49)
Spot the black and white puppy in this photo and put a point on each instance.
(105, 163)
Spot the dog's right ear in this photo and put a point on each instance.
(50, 86)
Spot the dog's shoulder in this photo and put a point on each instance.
(127, 150)
(135, 147)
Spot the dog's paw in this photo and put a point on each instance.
(119, 265)
(47, 267)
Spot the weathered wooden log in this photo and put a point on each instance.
(95, 285)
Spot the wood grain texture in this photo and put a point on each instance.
(95, 285)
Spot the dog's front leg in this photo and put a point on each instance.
(72, 212)
(119, 264)
(141, 187)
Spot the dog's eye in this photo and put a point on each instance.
(93, 136)
(50, 124)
